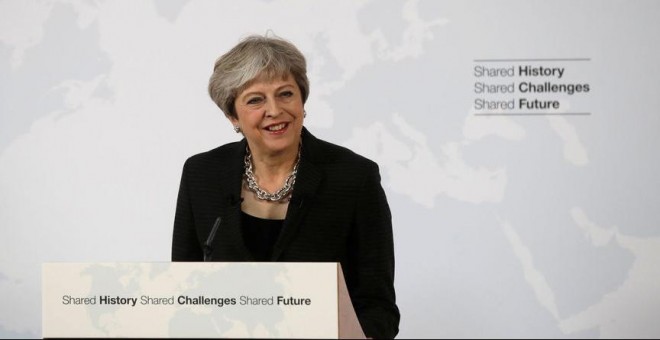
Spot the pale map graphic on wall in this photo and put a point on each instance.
(505, 226)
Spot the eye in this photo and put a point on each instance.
(254, 100)
(286, 94)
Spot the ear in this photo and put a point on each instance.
(232, 120)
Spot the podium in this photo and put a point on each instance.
(196, 300)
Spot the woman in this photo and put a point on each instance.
(281, 194)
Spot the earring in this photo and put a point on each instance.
(304, 114)
(237, 129)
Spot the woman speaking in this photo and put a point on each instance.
(281, 194)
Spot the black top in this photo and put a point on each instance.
(260, 235)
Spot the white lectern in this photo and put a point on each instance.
(197, 300)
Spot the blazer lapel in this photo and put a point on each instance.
(229, 236)
(307, 183)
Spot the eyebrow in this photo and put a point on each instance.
(259, 92)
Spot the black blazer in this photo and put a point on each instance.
(338, 213)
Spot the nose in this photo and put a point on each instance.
(273, 109)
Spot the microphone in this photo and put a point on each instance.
(208, 249)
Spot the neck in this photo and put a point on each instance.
(272, 168)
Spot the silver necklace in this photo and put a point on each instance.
(281, 195)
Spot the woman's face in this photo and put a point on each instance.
(270, 114)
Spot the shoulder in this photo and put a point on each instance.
(341, 168)
(324, 153)
(221, 157)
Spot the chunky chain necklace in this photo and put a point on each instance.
(279, 195)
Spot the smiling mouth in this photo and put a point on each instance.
(278, 127)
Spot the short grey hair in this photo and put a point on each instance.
(255, 57)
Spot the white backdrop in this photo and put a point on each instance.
(505, 226)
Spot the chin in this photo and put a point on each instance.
(278, 146)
